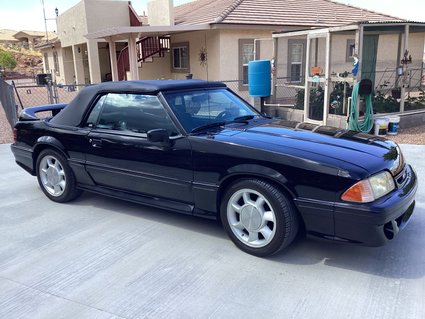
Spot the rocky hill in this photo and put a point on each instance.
(28, 63)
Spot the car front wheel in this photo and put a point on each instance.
(258, 217)
(55, 177)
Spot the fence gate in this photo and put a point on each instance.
(31, 94)
(7, 100)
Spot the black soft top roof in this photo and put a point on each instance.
(72, 114)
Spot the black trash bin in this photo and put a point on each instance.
(43, 78)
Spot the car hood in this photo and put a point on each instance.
(328, 145)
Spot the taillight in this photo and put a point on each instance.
(15, 134)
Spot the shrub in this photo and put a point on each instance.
(7, 61)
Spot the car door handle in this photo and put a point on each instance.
(96, 143)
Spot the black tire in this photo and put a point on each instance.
(55, 177)
(258, 217)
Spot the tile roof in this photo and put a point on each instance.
(39, 34)
(7, 35)
(274, 12)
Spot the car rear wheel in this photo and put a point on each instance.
(258, 217)
(55, 177)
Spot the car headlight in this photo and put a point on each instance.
(370, 189)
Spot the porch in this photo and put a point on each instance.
(314, 73)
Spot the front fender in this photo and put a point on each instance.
(255, 170)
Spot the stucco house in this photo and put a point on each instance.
(209, 39)
(6, 37)
(24, 39)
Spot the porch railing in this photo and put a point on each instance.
(147, 47)
(152, 46)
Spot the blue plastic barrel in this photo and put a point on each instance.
(259, 81)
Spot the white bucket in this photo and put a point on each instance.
(381, 126)
(393, 125)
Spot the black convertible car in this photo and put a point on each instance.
(195, 147)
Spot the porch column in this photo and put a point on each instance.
(327, 78)
(132, 56)
(359, 51)
(113, 59)
(306, 83)
(94, 64)
(274, 70)
(403, 82)
(77, 54)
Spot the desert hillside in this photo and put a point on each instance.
(28, 63)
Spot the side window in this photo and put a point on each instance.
(133, 113)
(56, 62)
(46, 63)
(296, 59)
(180, 57)
(94, 114)
(351, 50)
(246, 54)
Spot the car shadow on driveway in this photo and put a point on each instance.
(162, 216)
(400, 258)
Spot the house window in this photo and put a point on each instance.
(351, 50)
(56, 62)
(180, 57)
(46, 62)
(296, 60)
(246, 54)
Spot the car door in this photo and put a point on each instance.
(120, 156)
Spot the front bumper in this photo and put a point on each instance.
(376, 223)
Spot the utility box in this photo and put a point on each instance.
(43, 78)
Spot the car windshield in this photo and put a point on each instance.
(197, 109)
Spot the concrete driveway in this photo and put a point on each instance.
(103, 258)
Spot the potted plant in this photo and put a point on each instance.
(396, 93)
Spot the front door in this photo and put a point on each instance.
(120, 156)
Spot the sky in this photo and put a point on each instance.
(28, 14)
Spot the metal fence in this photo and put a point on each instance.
(32, 94)
(7, 100)
(386, 99)
(237, 87)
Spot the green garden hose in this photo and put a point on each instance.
(354, 124)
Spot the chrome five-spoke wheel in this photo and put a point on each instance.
(251, 218)
(55, 176)
(258, 217)
(52, 175)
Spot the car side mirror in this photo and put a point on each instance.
(264, 114)
(159, 136)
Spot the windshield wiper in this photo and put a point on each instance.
(207, 126)
(243, 118)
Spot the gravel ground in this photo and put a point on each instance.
(414, 135)
(6, 135)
